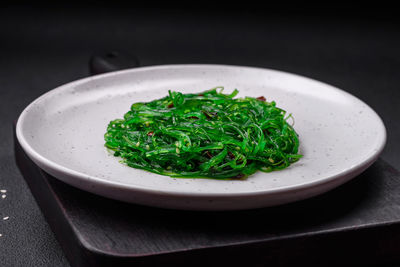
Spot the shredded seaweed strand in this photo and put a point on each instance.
(205, 135)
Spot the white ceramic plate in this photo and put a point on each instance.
(62, 132)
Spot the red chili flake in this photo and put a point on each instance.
(261, 98)
(209, 115)
(240, 176)
(231, 155)
(208, 154)
(193, 117)
(150, 133)
(265, 131)
(171, 105)
(200, 94)
(206, 114)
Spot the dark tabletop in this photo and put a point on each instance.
(43, 48)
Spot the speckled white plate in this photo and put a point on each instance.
(62, 132)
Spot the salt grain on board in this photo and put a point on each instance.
(3, 196)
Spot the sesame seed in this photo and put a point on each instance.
(138, 144)
(147, 147)
(3, 191)
(3, 196)
(271, 160)
(177, 150)
(5, 218)
(1, 235)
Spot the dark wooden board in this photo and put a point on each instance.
(357, 223)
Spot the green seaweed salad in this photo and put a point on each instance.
(204, 135)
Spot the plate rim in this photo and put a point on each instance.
(51, 166)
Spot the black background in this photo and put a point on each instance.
(353, 48)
